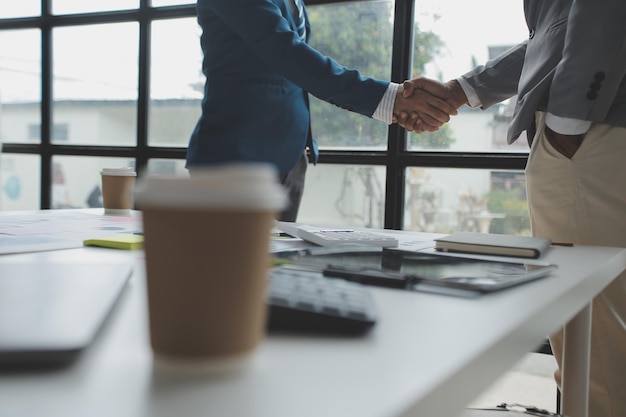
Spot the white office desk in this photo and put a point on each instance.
(428, 355)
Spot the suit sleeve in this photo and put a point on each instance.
(498, 79)
(261, 25)
(596, 30)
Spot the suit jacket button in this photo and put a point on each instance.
(531, 34)
(592, 95)
(595, 85)
(599, 76)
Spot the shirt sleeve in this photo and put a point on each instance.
(384, 111)
(470, 93)
(566, 125)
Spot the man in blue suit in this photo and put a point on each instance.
(570, 80)
(259, 71)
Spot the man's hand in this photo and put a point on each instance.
(450, 91)
(427, 111)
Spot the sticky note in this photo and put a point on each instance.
(122, 241)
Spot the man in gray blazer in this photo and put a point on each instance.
(571, 92)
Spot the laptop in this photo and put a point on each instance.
(50, 312)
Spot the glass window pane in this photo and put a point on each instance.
(20, 92)
(354, 195)
(358, 35)
(82, 6)
(166, 167)
(21, 8)
(76, 180)
(176, 80)
(446, 48)
(160, 3)
(471, 130)
(20, 182)
(95, 84)
(482, 201)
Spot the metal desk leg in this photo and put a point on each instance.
(575, 376)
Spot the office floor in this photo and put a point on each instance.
(530, 382)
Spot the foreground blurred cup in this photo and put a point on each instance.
(117, 190)
(206, 241)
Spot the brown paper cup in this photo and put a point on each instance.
(206, 243)
(117, 190)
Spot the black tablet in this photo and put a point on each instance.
(419, 271)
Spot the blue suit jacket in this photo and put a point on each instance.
(258, 76)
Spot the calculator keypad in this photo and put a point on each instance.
(303, 300)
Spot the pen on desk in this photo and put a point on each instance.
(368, 277)
(281, 234)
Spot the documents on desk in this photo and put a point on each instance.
(382, 238)
(60, 229)
(343, 236)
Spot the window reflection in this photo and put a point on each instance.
(446, 49)
(160, 3)
(19, 182)
(450, 200)
(177, 82)
(167, 167)
(358, 35)
(76, 181)
(353, 195)
(82, 6)
(95, 83)
(21, 8)
(20, 85)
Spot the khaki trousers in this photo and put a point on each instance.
(583, 201)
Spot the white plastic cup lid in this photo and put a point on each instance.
(120, 172)
(240, 185)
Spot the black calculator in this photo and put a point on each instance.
(304, 300)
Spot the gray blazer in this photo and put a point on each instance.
(569, 65)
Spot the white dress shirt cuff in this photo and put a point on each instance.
(384, 111)
(470, 93)
(567, 126)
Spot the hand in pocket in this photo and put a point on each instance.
(566, 145)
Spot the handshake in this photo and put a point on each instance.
(424, 105)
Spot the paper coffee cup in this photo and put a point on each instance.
(117, 190)
(206, 241)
